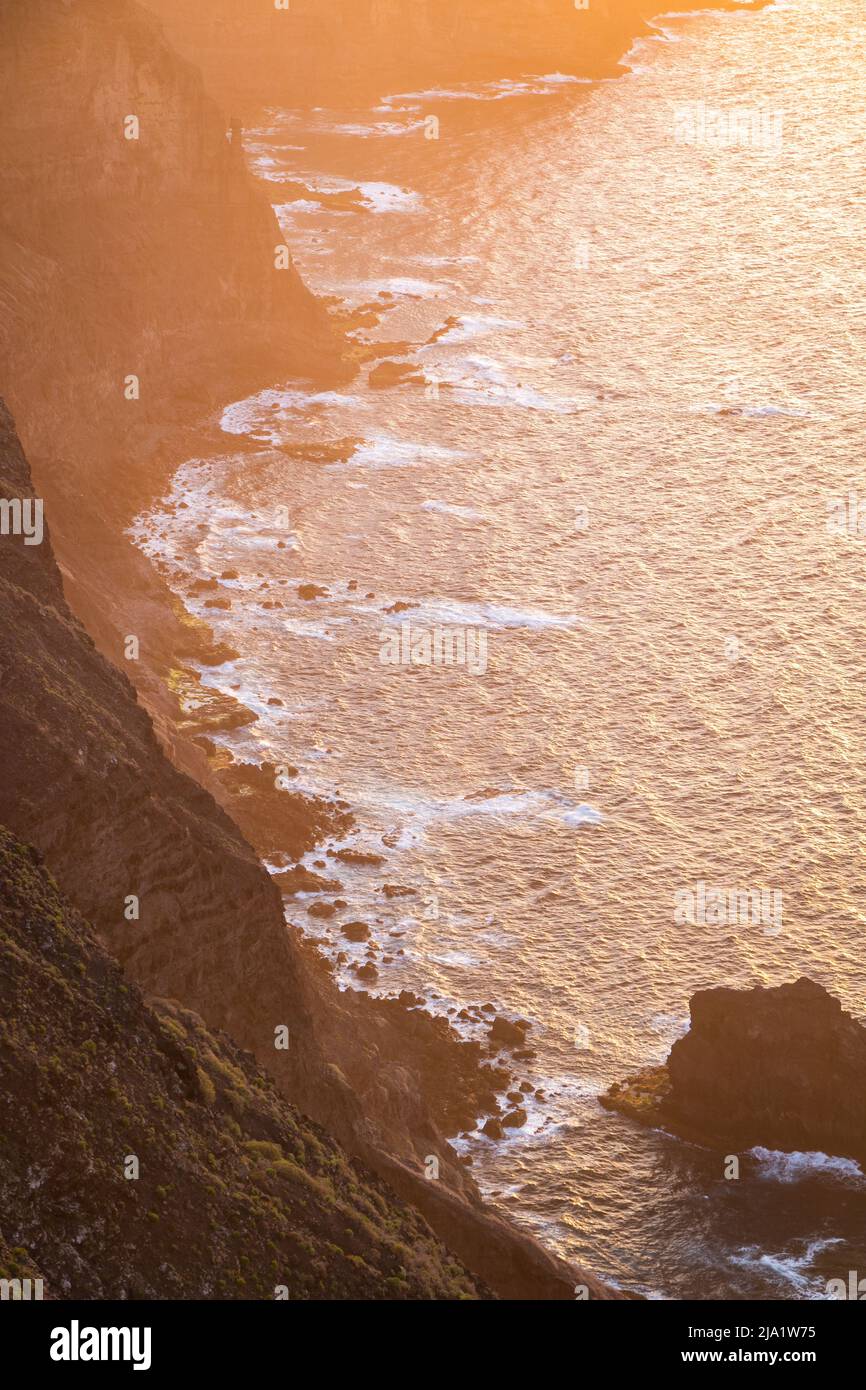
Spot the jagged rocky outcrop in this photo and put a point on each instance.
(784, 1068)
(354, 50)
(179, 898)
(143, 1156)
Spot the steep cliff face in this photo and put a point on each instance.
(352, 50)
(782, 1068)
(140, 283)
(142, 1156)
(179, 898)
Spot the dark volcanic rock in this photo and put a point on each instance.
(515, 1119)
(356, 856)
(784, 1068)
(274, 817)
(508, 1034)
(396, 374)
(356, 931)
(321, 909)
(299, 879)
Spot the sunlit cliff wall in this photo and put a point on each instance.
(150, 257)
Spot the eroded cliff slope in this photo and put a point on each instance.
(141, 1156)
(180, 899)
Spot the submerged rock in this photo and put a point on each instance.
(356, 856)
(321, 909)
(388, 374)
(299, 879)
(515, 1119)
(356, 931)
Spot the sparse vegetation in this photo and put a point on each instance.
(235, 1187)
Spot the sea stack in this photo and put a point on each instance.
(784, 1068)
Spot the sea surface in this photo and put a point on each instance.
(631, 481)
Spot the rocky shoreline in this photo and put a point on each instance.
(181, 900)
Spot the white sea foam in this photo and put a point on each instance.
(749, 411)
(500, 90)
(301, 627)
(582, 815)
(791, 1269)
(231, 681)
(261, 412)
(468, 327)
(484, 381)
(777, 1166)
(286, 213)
(406, 108)
(444, 956)
(644, 45)
(423, 811)
(168, 526)
(493, 616)
(665, 33)
(364, 130)
(448, 260)
(450, 509)
(272, 163)
(374, 195)
(403, 286)
(387, 197)
(563, 1095)
(384, 451)
(670, 1026)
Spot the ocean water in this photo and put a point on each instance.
(630, 489)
